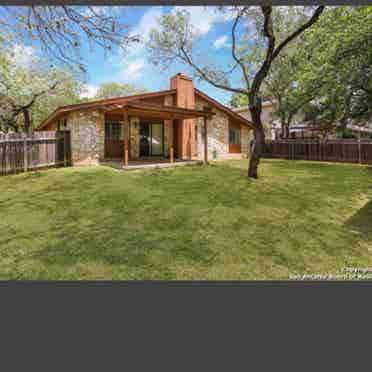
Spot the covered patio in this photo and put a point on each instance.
(174, 119)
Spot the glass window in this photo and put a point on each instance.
(113, 131)
(157, 139)
(234, 136)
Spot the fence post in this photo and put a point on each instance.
(359, 151)
(64, 149)
(25, 157)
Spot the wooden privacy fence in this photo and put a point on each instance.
(20, 152)
(338, 150)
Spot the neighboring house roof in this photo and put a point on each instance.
(246, 108)
(120, 100)
(358, 128)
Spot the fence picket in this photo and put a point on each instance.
(346, 151)
(20, 152)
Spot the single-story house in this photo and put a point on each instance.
(168, 124)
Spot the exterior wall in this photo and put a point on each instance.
(246, 136)
(87, 136)
(134, 137)
(266, 118)
(168, 127)
(52, 126)
(218, 133)
(185, 98)
(266, 113)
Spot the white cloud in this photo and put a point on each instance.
(22, 55)
(133, 63)
(203, 18)
(134, 70)
(148, 21)
(221, 42)
(89, 91)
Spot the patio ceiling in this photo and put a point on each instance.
(156, 111)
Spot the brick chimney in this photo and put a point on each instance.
(185, 90)
(185, 97)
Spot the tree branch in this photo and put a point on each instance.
(233, 49)
(311, 21)
(188, 59)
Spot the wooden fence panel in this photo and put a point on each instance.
(20, 152)
(346, 151)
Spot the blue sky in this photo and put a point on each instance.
(134, 67)
(213, 48)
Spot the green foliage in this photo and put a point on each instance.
(239, 100)
(340, 62)
(112, 89)
(30, 81)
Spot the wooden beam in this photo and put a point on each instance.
(205, 140)
(171, 144)
(126, 140)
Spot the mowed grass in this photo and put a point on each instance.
(186, 223)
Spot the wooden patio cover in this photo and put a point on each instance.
(140, 109)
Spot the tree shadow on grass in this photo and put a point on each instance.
(112, 242)
(361, 221)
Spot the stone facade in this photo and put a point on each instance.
(134, 137)
(87, 136)
(168, 126)
(168, 129)
(218, 133)
(245, 138)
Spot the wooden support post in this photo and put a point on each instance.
(205, 140)
(171, 140)
(126, 140)
(65, 148)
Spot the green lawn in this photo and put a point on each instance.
(186, 223)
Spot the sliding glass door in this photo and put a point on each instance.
(151, 139)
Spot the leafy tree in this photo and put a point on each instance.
(324, 76)
(238, 100)
(113, 89)
(176, 38)
(340, 68)
(28, 93)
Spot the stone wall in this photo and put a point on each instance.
(246, 136)
(87, 136)
(134, 138)
(218, 131)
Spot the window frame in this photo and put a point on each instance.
(234, 136)
(112, 134)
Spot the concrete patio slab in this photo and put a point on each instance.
(149, 164)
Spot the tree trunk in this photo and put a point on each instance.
(27, 124)
(285, 130)
(259, 140)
